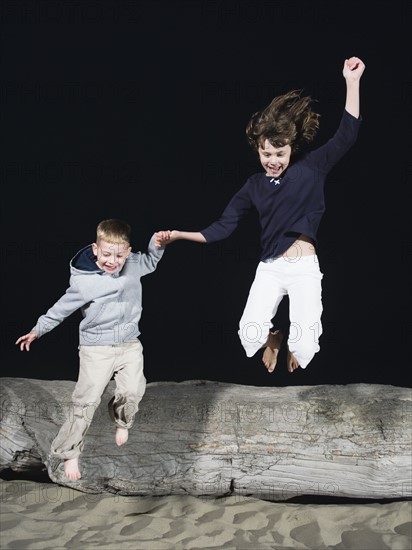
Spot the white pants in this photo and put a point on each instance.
(98, 364)
(300, 278)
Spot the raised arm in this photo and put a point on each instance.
(148, 260)
(352, 71)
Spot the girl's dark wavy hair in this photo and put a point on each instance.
(287, 120)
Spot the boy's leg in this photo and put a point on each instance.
(130, 388)
(305, 302)
(265, 295)
(95, 372)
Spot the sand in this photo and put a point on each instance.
(46, 515)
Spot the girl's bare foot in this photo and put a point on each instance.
(122, 435)
(292, 362)
(270, 355)
(71, 468)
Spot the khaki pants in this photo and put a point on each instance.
(98, 364)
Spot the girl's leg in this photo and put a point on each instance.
(265, 294)
(305, 302)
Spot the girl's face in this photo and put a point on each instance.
(274, 160)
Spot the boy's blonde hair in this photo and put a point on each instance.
(114, 231)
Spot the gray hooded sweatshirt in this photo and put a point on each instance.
(111, 303)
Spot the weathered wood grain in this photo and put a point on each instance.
(211, 438)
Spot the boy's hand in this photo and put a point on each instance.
(163, 238)
(26, 340)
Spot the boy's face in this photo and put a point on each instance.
(111, 257)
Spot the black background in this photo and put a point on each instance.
(137, 110)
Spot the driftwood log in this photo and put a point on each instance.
(212, 438)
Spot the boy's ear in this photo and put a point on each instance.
(94, 248)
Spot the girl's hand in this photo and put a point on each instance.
(353, 69)
(162, 238)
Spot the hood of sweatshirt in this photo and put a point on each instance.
(84, 261)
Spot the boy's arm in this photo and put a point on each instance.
(149, 260)
(63, 308)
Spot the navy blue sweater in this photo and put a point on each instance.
(292, 207)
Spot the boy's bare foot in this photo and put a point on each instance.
(122, 435)
(270, 355)
(292, 362)
(71, 468)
